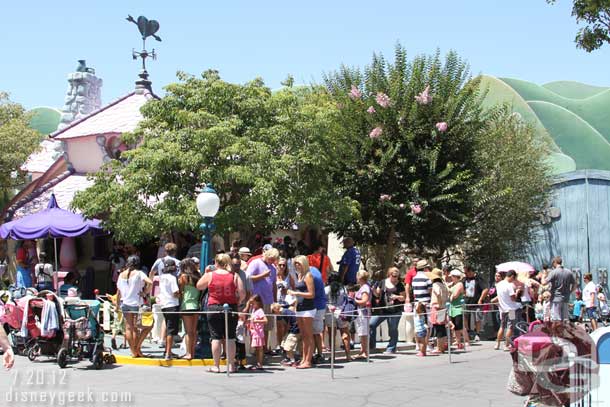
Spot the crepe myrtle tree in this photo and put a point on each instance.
(411, 163)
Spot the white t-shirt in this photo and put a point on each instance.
(131, 288)
(504, 289)
(158, 265)
(590, 291)
(168, 285)
(44, 272)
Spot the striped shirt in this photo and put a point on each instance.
(421, 287)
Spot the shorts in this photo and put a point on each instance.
(474, 310)
(216, 322)
(290, 343)
(559, 311)
(186, 313)
(339, 323)
(506, 321)
(439, 330)
(172, 320)
(129, 309)
(318, 321)
(421, 334)
(592, 312)
(362, 325)
(270, 325)
(310, 313)
(458, 322)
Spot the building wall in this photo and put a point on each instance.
(581, 234)
(85, 154)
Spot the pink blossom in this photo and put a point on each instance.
(402, 206)
(385, 197)
(371, 110)
(441, 127)
(376, 132)
(382, 99)
(355, 93)
(416, 209)
(424, 98)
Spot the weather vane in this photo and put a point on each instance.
(148, 28)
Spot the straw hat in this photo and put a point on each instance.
(422, 264)
(435, 274)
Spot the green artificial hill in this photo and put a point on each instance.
(573, 119)
(45, 119)
(573, 90)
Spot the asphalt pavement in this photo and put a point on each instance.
(476, 378)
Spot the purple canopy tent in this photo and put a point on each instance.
(51, 222)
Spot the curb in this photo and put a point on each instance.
(128, 360)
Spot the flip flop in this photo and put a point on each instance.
(304, 367)
(213, 370)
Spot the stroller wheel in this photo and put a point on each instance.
(32, 353)
(98, 361)
(62, 358)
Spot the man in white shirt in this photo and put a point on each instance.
(509, 308)
(170, 254)
(589, 296)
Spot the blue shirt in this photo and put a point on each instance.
(578, 304)
(351, 261)
(290, 317)
(319, 300)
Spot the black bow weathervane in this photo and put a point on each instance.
(147, 28)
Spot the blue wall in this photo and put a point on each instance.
(581, 234)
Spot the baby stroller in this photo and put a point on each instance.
(83, 335)
(44, 325)
(11, 316)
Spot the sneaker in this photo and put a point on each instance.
(507, 348)
(389, 352)
(476, 338)
(168, 356)
(317, 359)
(162, 345)
(286, 362)
(113, 344)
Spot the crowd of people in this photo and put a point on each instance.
(297, 294)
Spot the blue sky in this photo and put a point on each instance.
(41, 41)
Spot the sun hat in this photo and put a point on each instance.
(267, 247)
(244, 250)
(456, 273)
(72, 292)
(422, 264)
(435, 274)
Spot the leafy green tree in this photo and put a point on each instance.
(512, 193)
(19, 140)
(595, 14)
(411, 162)
(269, 155)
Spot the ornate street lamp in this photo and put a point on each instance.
(208, 204)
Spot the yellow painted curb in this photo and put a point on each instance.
(128, 360)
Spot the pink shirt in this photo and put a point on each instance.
(257, 328)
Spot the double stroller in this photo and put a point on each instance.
(83, 335)
(33, 323)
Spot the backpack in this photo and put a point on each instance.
(349, 310)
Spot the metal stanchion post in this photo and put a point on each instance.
(333, 335)
(226, 309)
(448, 325)
(368, 338)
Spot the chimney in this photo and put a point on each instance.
(83, 95)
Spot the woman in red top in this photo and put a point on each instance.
(224, 287)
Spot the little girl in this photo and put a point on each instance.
(546, 306)
(257, 330)
(421, 328)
